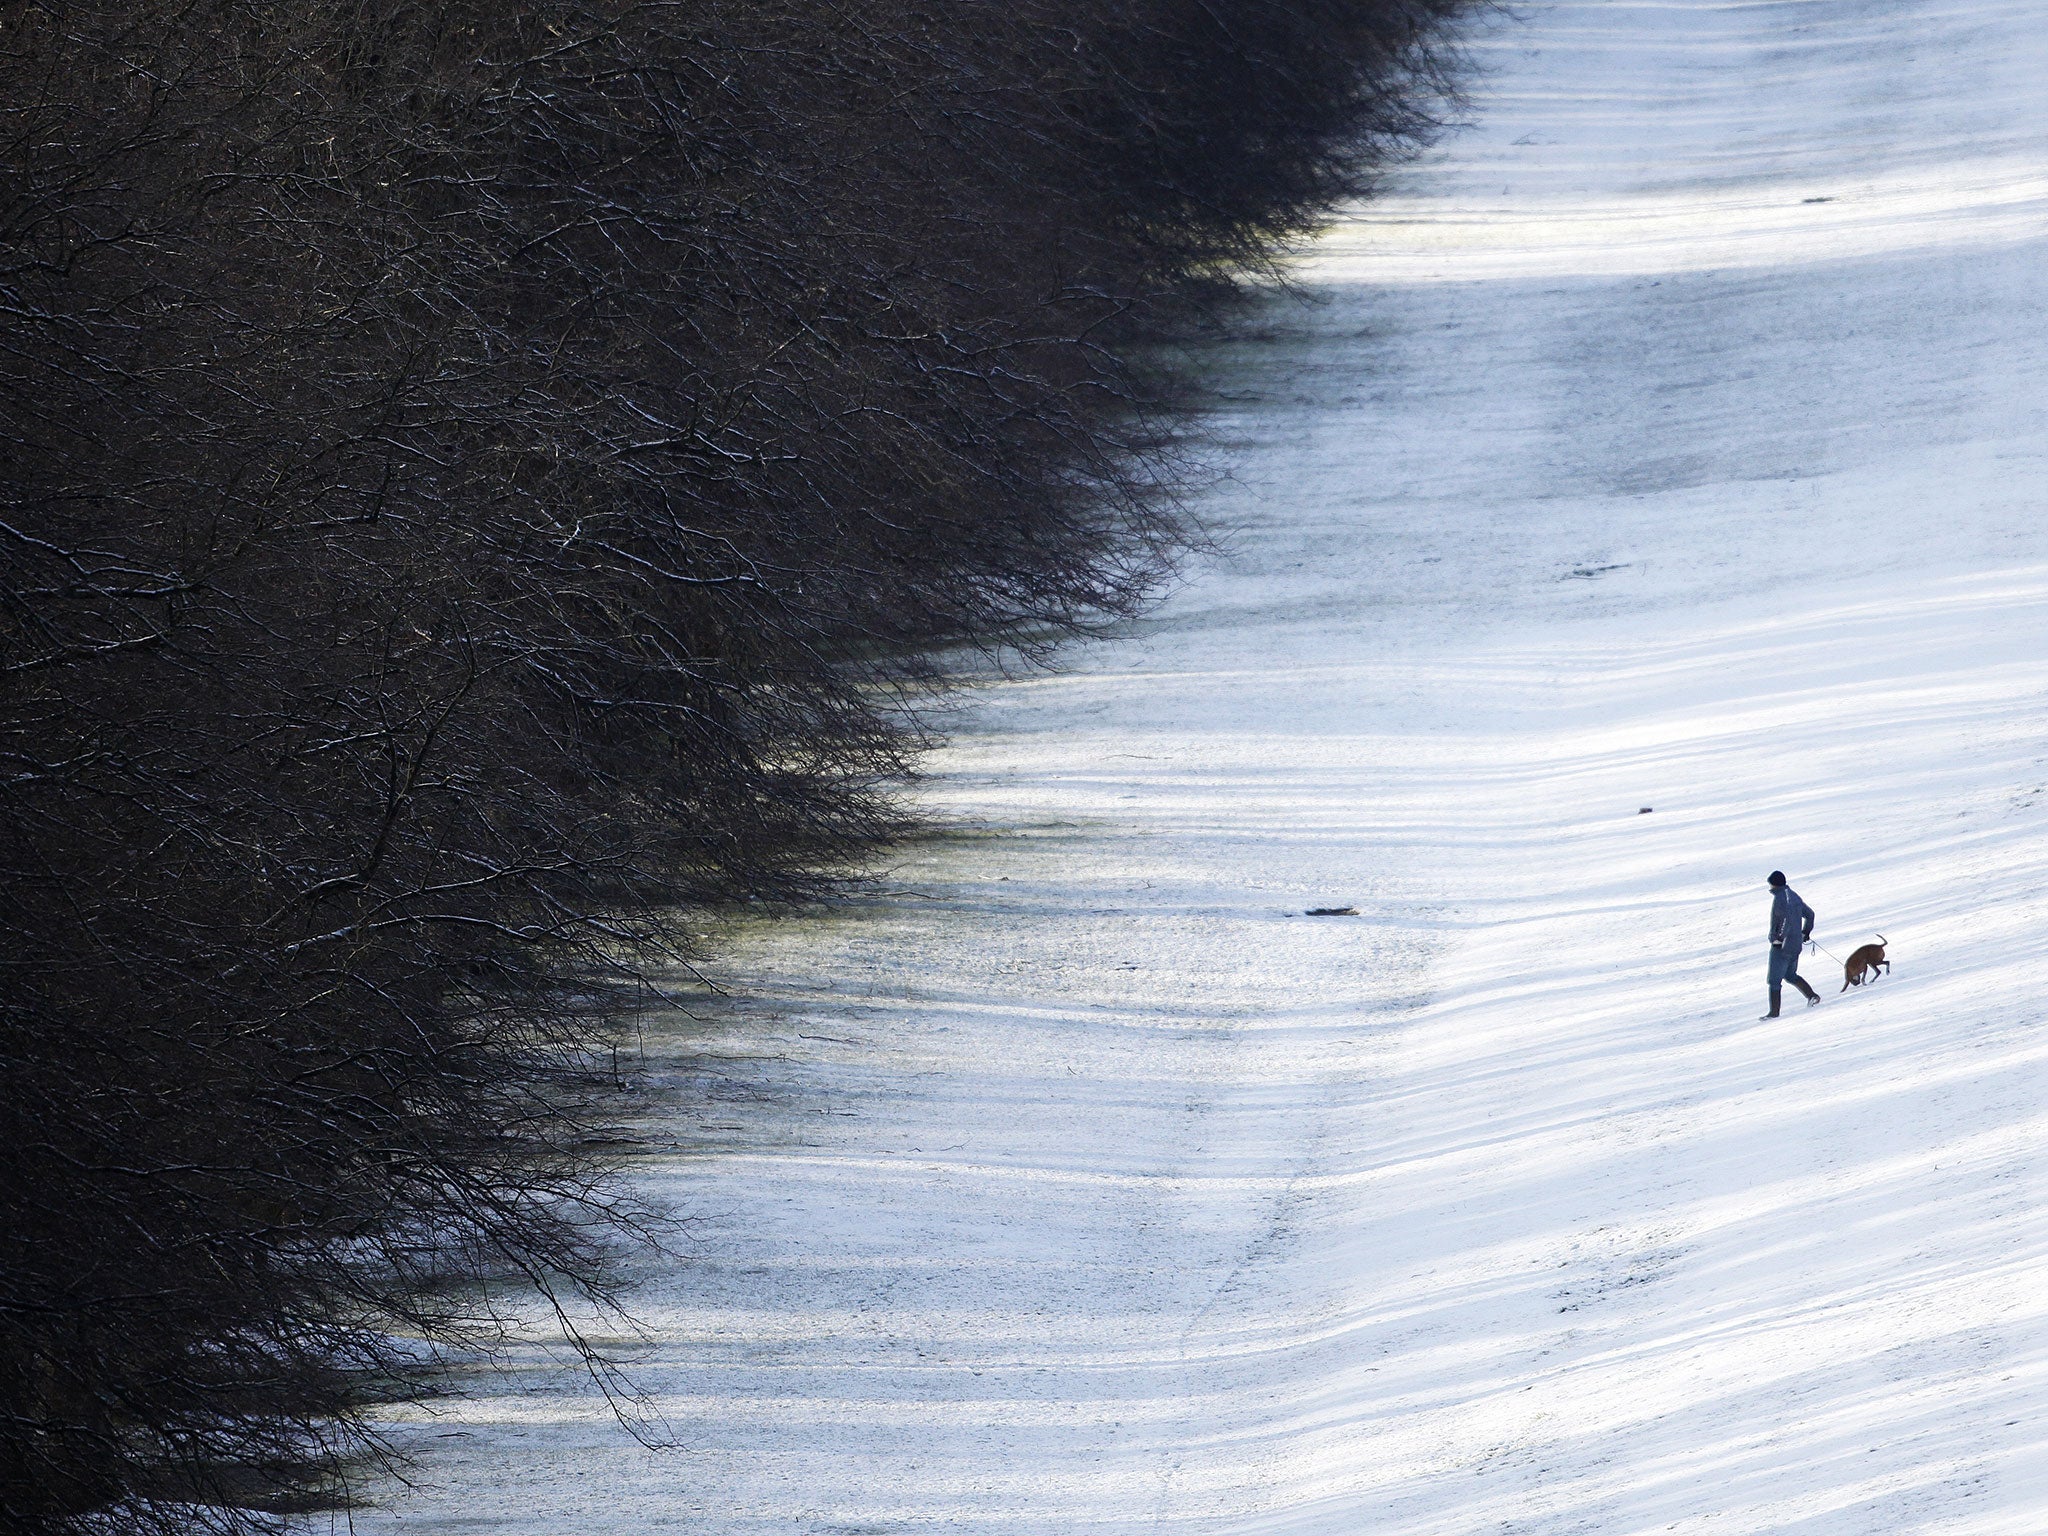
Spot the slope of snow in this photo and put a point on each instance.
(1078, 1183)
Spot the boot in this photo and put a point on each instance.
(1812, 997)
(1775, 995)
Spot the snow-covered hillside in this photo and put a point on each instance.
(1677, 437)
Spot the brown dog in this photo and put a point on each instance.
(1865, 962)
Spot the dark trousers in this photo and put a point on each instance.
(1784, 968)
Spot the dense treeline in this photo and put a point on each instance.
(482, 481)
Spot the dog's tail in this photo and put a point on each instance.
(1883, 940)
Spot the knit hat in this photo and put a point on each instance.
(1777, 877)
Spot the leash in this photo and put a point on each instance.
(1828, 952)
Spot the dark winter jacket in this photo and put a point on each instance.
(1791, 919)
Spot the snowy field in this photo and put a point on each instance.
(1676, 437)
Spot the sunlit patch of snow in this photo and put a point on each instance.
(1947, 209)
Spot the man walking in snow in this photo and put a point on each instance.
(1791, 927)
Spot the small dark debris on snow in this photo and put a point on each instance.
(1645, 810)
(1586, 571)
(1333, 911)
(1816, 199)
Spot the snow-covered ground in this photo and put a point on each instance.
(1079, 1183)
